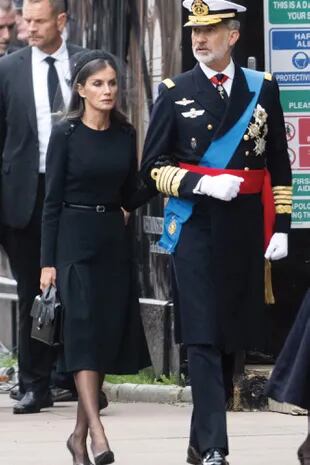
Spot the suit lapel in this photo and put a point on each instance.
(206, 94)
(73, 49)
(26, 87)
(239, 100)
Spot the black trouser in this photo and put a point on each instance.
(22, 246)
(208, 426)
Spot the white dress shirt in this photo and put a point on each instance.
(40, 88)
(229, 71)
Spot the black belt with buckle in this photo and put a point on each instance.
(96, 208)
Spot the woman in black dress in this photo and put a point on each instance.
(290, 380)
(91, 174)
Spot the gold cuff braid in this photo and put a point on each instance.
(168, 179)
(283, 199)
(281, 209)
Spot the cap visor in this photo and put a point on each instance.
(209, 22)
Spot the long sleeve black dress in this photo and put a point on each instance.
(90, 249)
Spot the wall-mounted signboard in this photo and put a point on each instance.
(287, 41)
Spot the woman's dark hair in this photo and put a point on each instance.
(87, 65)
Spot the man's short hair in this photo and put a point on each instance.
(6, 5)
(58, 6)
(233, 24)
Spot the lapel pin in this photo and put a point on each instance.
(184, 102)
(193, 113)
(193, 143)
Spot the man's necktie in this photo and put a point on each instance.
(218, 80)
(53, 86)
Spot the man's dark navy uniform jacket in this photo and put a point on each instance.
(219, 260)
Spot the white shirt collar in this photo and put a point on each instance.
(60, 54)
(229, 71)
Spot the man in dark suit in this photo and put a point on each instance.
(7, 26)
(213, 132)
(34, 82)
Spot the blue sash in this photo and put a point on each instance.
(218, 155)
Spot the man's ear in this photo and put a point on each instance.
(62, 21)
(234, 37)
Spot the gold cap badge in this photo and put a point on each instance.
(199, 8)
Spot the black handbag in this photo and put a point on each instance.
(47, 314)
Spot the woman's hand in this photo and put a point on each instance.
(48, 277)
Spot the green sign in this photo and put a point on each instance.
(289, 11)
(295, 101)
(301, 211)
(301, 185)
(301, 203)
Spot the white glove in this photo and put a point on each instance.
(278, 247)
(223, 187)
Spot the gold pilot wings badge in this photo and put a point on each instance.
(193, 113)
(184, 102)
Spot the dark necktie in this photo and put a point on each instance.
(53, 86)
(218, 80)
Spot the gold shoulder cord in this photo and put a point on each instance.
(169, 83)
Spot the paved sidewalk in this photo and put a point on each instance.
(146, 434)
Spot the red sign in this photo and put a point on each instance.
(304, 157)
(304, 131)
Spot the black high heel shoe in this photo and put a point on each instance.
(104, 458)
(70, 449)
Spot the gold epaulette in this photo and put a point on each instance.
(169, 83)
(168, 179)
(268, 76)
(283, 199)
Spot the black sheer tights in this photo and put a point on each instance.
(88, 385)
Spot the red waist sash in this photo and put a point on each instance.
(255, 182)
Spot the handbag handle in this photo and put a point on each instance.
(49, 292)
(48, 302)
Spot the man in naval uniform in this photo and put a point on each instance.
(217, 147)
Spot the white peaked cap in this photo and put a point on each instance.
(208, 12)
(217, 5)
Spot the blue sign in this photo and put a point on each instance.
(292, 79)
(295, 39)
(301, 60)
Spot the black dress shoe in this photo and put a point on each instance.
(71, 450)
(193, 456)
(32, 403)
(214, 457)
(304, 452)
(63, 395)
(105, 458)
(15, 394)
